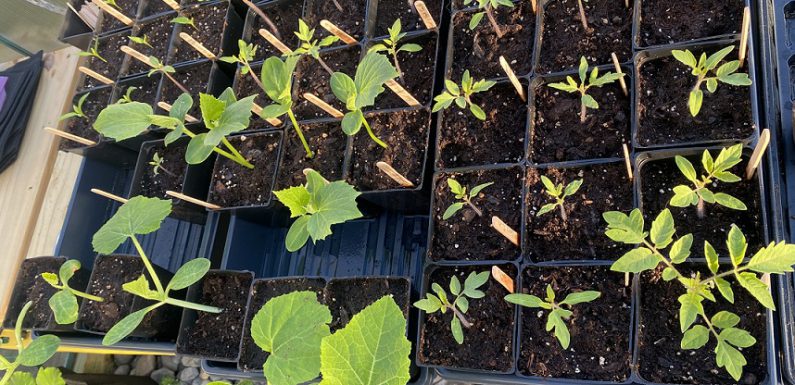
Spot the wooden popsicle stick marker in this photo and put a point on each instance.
(336, 31)
(503, 279)
(512, 76)
(267, 35)
(199, 47)
(746, 31)
(109, 195)
(193, 200)
(323, 105)
(426, 16)
(505, 230)
(113, 12)
(72, 137)
(257, 110)
(402, 93)
(534, 3)
(759, 151)
(626, 279)
(101, 78)
(392, 173)
(172, 4)
(167, 107)
(136, 55)
(621, 80)
(627, 161)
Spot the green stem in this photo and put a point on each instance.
(309, 153)
(148, 265)
(372, 134)
(191, 305)
(223, 153)
(9, 372)
(238, 158)
(86, 295)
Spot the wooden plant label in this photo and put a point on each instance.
(336, 31)
(323, 105)
(534, 3)
(95, 75)
(193, 200)
(621, 80)
(109, 195)
(505, 230)
(627, 161)
(503, 279)
(113, 12)
(746, 30)
(173, 4)
(167, 107)
(136, 55)
(257, 110)
(402, 93)
(199, 47)
(512, 76)
(426, 16)
(267, 35)
(759, 151)
(626, 279)
(392, 173)
(72, 137)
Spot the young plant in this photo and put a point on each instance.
(556, 319)
(64, 303)
(560, 193)
(716, 170)
(317, 205)
(166, 70)
(463, 96)
(277, 82)
(157, 165)
(311, 46)
(463, 197)
(127, 98)
(142, 40)
(35, 354)
(93, 51)
(245, 56)
(392, 47)
(586, 82)
(184, 20)
(703, 67)
(776, 258)
(358, 93)
(460, 303)
(139, 216)
(488, 7)
(77, 109)
(112, 3)
(44, 376)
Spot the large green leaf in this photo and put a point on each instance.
(126, 326)
(140, 215)
(636, 261)
(344, 88)
(373, 71)
(775, 258)
(49, 376)
(689, 310)
(695, 338)
(189, 274)
(198, 151)
(335, 203)
(757, 288)
(64, 307)
(211, 108)
(124, 121)
(39, 350)
(277, 76)
(727, 356)
(294, 198)
(662, 229)
(235, 117)
(625, 228)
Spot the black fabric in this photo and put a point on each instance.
(23, 80)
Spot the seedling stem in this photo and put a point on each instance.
(583, 18)
(493, 21)
(264, 18)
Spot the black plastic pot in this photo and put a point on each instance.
(107, 24)
(327, 142)
(414, 24)
(217, 81)
(276, 10)
(347, 297)
(146, 88)
(133, 67)
(74, 31)
(232, 30)
(313, 18)
(107, 68)
(152, 9)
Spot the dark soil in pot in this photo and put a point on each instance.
(565, 40)
(406, 134)
(246, 86)
(96, 101)
(154, 7)
(151, 185)
(466, 141)
(557, 135)
(145, 89)
(158, 33)
(599, 349)
(109, 23)
(194, 78)
(311, 77)
(326, 140)
(657, 180)
(391, 10)
(285, 15)
(663, 23)
(660, 358)
(467, 236)
(479, 51)
(109, 49)
(418, 73)
(581, 236)
(347, 297)
(233, 185)
(30, 286)
(663, 113)
(350, 19)
(251, 356)
(218, 335)
(488, 344)
(210, 24)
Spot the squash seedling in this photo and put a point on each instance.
(311, 46)
(463, 197)
(317, 205)
(488, 7)
(184, 20)
(77, 109)
(371, 75)
(392, 47)
(776, 258)
(140, 216)
(142, 40)
(460, 301)
(35, 354)
(560, 193)
(463, 96)
(277, 82)
(703, 67)
(157, 165)
(586, 82)
(716, 170)
(93, 51)
(556, 319)
(64, 303)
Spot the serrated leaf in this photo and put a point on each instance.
(430, 304)
(558, 326)
(39, 350)
(636, 261)
(371, 74)
(623, 228)
(21, 378)
(51, 278)
(189, 274)
(683, 196)
(589, 101)
(294, 198)
(724, 319)
(689, 310)
(725, 289)
(141, 288)
(475, 281)
(64, 307)
(124, 121)
(712, 257)
(139, 216)
(738, 337)
(686, 168)
(737, 245)
(726, 356)
(775, 258)
(680, 250)
(49, 376)
(695, 338)
(662, 229)
(757, 288)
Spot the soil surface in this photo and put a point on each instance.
(251, 356)
(661, 359)
(406, 134)
(467, 141)
(108, 48)
(145, 89)
(565, 40)
(665, 118)
(246, 86)
(582, 236)
(109, 23)
(218, 335)
(195, 78)
(311, 77)
(210, 24)
(96, 101)
(391, 10)
(418, 73)
(467, 236)
(488, 344)
(326, 140)
(158, 33)
(657, 180)
(347, 297)
(479, 51)
(234, 185)
(170, 176)
(110, 273)
(285, 15)
(558, 135)
(30, 286)
(662, 23)
(600, 329)
(154, 7)
(350, 19)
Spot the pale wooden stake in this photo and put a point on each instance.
(626, 279)
(113, 12)
(199, 47)
(626, 3)
(759, 151)
(627, 161)
(512, 76)
(188, 117)
(82, 17)
(618, 70)
(426, 16)
(323, 105)
(505, 230)
(257, 110)
(392, 173)
(744, 34)
(173, 4)
(95, 75)
(402, 93)
(502, 278)
(109, 195)
(193, 200)
(336, 31)
(72, 137)
(267, 35)
(534, 3)
(136, 55)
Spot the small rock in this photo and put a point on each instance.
(189, 362)
(159, 374)
(143, 366)
(170, 362)
(749, 379)
(188, 374)
(199, 381)
(122, 359)
(204, 376)
(122, 370)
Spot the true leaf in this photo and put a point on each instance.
(725, 289)
(662, 229)
(680, 250)
(124, 121)
(636, 261)
(689, 310)
(686, 168)
(737, 245)
(49, 376)
(64, 307)
(141, 288)
(139, 216)
(695, 338)
(725, 319)
(39, 350)
(775, 258)
(757, 288)
(738, 337)
(726, 356)
(712, 257)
